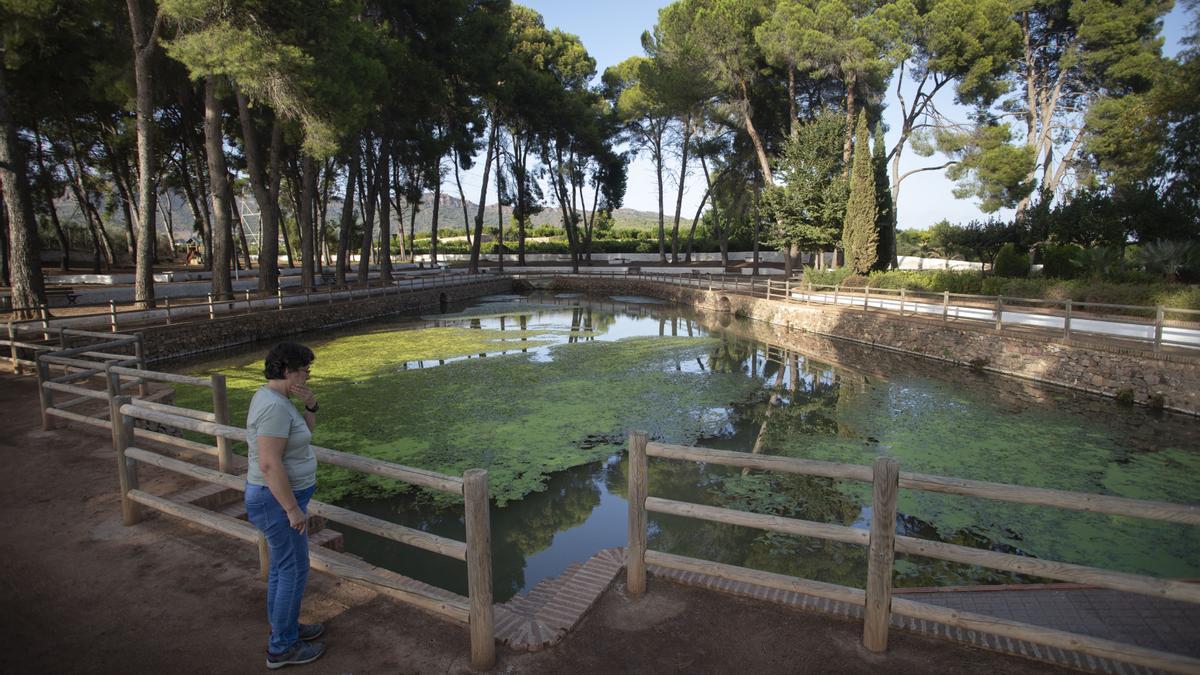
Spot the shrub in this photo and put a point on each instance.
(826, 277)
(1058, 262)
(855, 281)
(1011, 262)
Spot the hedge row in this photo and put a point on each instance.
(1079, 290)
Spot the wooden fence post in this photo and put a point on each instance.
(264, 558)
(1158, 328)
(999, 312)
(945, 306)
(211, 314)
(1067, 322)
(45, 396)
(867, 298)
(45, 313)
(836, 290)
(112, 315)
(220, 399)
(63, 340)
(903, 297)
(139, 351)
(168, 301)
(882, 553)
(279, 299)
(249, 307)
(13, 350)
(479, 568)
(635, 552)
(122, 433)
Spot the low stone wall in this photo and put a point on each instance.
(197, 337)
(1170, 381)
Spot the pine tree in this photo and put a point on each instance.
(860, 236)
(885, 218)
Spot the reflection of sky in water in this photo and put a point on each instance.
(569, 322)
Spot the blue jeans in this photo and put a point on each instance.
(289, 562)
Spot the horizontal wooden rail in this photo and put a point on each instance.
(450, 548)
(59, 360)
(79, 391)
(175, 441)
(96, 334)
(378, 467)
(783, 582)
(320, 559)
(128, 341)
(175, 410)
(810, 467)
(375, 467)
(805, 528)
(1075, 501)
(186, 468)
(1016, 630)
(76, 417)
(162, 377)
(1050, 569)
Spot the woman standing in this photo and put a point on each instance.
(280, 480)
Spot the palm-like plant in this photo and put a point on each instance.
(1099, 262)
(1167, 258)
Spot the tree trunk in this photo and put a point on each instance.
(222, 232)
(241, 226)
(687, 136)
(268, 244)
(462, 198)
(305, 220)
(385, 213)
(658, 172)
(851, 114)
(433, 234)
(24, 247)
(346, 222)
(368, 196)
(499, 204)
(145, 43)
(487, 167)
(64, 258)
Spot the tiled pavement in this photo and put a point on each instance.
(1141, 620)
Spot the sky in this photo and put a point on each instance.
(611, 32)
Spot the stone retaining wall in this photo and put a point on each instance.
(1171, 381)
(196, 337)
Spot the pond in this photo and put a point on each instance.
(541, 390)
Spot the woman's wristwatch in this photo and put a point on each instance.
(315, 407)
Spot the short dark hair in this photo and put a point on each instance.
(286, 356)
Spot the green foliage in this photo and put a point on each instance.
(1099, 262)
(1011, 262)
(810, 204)
(989, 166)
(885, 218)
(1169, 258)
(860, 236)
(1058, 261)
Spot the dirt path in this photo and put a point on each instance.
(80, 593)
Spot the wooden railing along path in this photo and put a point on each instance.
(883, 543)
(475, 610)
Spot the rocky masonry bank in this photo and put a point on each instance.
(1169, 381)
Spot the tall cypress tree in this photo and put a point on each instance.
(860, 236)
(885, 218)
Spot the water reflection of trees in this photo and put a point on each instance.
(519, 530)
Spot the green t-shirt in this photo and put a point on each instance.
(273, 414)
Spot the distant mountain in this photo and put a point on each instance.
(450, 215)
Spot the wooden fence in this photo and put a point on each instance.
(1068, 316)
(475, 610)
(23, 333)
(883, 544)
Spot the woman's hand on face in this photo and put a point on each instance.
(306, 396)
